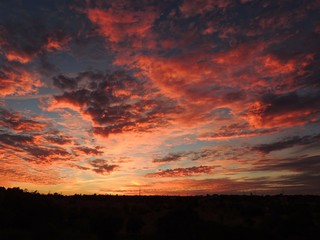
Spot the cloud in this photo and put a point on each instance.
(238, 72)
(205, 154)
(306, 165)
(289, 109)
(190, 8)
(23, 174)
(17, 79)
(14, 139)
(171, 157)
(19, 123)
(236, 130)
(88, 150)
(101, 166)
(28, 139)
(115, 102)
(77, 166)
(193, 71)
(65, 82)
(118, 23)
(30, 35)
(182, 172)
(304, 175)
(26, 37)
(301, 184)
(285, 143)
(59, 139)
(46, 154)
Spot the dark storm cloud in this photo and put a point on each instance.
(287, 143)
(33, 31)
(290, 102)
(28, 38)
(45, 65)
(28, 139)
(25, 147)
(14, 139)
(115, 101)
(296, 45)
(305, 177)
(17, 122)
(182, 172)
(171, 157)
(88, 150)
(65, 82)
(301, 183)
(237, 130)
(28, 32)
(209, 154)
(45, 152)
(101, 166)
(288, 109)
(306, 165)
(58, 139)
(234, 96)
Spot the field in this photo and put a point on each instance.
(25, 215)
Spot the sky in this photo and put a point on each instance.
(185, 97)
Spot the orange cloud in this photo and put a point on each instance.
(18, 81)
(13, 169)
(190, 8)
(19, 123)
(16, 57)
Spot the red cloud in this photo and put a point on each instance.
(190, 8)
(232, 77)
(15, 79)
(24, 174)
(117, 23)
(22, 42)
(27, 139)
(19, 123)
(17, 57)
(289, 109)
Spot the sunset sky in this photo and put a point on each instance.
(167, 97)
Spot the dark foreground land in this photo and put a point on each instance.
(33, 216)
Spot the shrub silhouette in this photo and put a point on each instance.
(106, 224)
(182, 223)
(26, 215)
(134, 225)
